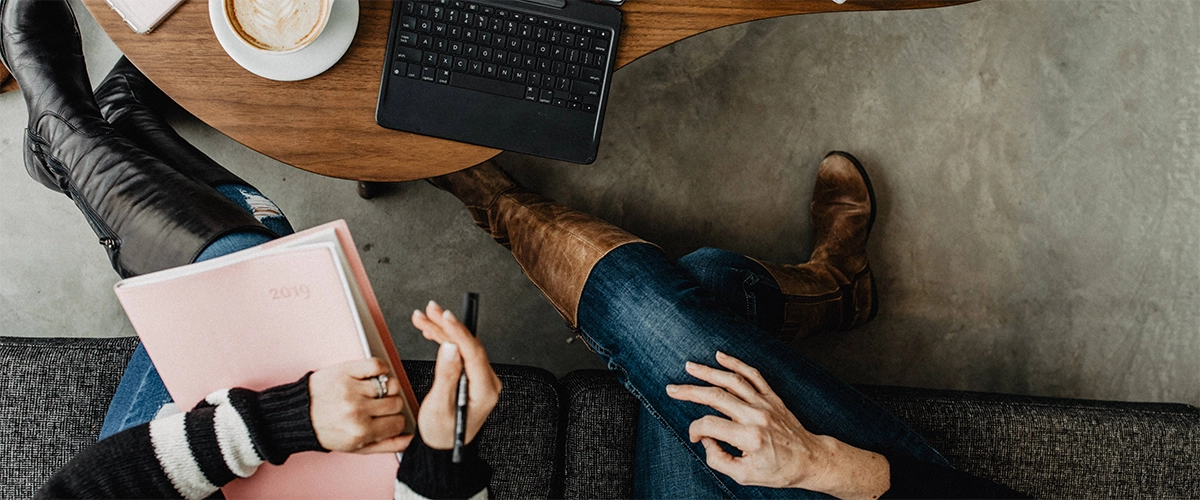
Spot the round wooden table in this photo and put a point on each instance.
(327, 124)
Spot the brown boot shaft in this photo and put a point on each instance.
(478, 188)
(556, 245)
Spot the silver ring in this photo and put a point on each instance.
(380, 386)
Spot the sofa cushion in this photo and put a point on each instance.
(601, 431)
(1058, 448)
(53, 396)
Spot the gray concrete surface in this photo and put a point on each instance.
(1037, 165)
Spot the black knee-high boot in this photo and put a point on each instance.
(135, 106)
(147, 215)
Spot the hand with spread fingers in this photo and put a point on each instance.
(777, 451)
(459, 349)
(356, 408)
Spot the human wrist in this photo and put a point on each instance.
(431, 473)
(278, 419)
(847, 472)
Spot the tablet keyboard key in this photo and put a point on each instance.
(408, 54)
(496, 87)
(592, 75)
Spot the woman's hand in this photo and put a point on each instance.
(777, 451)
(459, 348)
(346, 414)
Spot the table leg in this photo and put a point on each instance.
(368, 190)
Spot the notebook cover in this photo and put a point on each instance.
(188, 329)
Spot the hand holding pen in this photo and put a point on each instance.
(460, 353)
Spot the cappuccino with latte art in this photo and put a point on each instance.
(277, 26)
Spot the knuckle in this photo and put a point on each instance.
(744, 382)
(759, 417)
(706, 423)
(758, 438)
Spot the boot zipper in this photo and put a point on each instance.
(104, 232)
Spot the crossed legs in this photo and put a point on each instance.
(647, 316)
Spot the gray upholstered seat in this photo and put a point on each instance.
(574, 438)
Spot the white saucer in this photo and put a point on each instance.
(302, 64)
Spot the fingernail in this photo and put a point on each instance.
(418, 313)
(448, 351)
(689, 365)
(672, 388)
(431, 304)
(447, 314)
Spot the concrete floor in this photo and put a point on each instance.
(1037, 165)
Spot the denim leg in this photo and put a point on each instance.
(139, 397)
(739, 283)
(663, 467)
(646, 317)
(141, 394)
(258, 205)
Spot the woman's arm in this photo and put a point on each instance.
(234, 431)
(778, 452)
(191, 454)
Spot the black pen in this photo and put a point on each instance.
(470, 318)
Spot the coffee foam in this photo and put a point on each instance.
(277, 25)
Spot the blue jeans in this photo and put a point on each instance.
(141, 394)
(647, 316)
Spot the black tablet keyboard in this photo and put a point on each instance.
(502, 51)
(537, 58)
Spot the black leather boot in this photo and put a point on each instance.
(135, 106)
(147, 215)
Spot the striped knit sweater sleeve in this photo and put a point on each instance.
(228, 435)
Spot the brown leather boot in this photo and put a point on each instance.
(834, 290)
(554, 244)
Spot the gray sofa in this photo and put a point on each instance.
(572, 438)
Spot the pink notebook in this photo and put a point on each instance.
(263, 317)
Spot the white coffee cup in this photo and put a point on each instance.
(277, 26)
